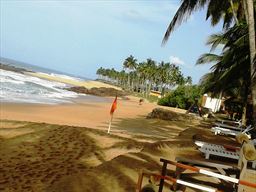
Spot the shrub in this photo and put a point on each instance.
(182, 97)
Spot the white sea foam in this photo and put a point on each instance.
(66, 77)
(17, 87)
(61, 76)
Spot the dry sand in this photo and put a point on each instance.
(66, 147)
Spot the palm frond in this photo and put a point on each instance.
(208, 58)
(228, 20)
(216, 10)
(215, 40)
(185, 10)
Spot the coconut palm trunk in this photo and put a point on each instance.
(128, 82)
(249, 9)
(233, 11)
(149, 88)
(246, 84)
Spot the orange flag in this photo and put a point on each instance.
(114, 105)
(113, 108)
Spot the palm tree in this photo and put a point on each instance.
(163, 70)
(231, 69)
(130, 64)
(249, 9)
(141, 70)
(217, 10)
(144, 75)
(150, 71)
(123, 78)
(220, 10)
(188, 80)
(100, 72)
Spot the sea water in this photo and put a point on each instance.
(23, 88)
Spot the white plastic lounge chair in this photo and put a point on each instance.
(236, 181)
(227, 131)
(229, 122)
(221, 151)
(235, 125)
(239, 127)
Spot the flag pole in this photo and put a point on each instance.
(110, 122)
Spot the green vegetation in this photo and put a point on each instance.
(233, 72)
(230, 71)
(183, 97)
(150, 98)
(145, 76)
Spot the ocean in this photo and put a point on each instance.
(21, 88)
(35, 68)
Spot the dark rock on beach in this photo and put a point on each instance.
(12, 68)
(102, 91)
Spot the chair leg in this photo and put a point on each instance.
(243, 167)
(207, 155)
(164, 170)
(140, 179)
(254, 164)
(177, 176)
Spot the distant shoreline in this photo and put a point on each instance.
(13, 68)
(70, 81)
(87, 83)
(86, 90)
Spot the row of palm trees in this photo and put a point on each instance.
(234, 70)
(145, 76)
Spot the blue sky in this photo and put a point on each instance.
(78, 37)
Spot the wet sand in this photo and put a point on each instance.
(88, 84)
(82, 113)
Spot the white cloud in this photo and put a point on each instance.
(176, 60)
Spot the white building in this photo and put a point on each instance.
(211, 103)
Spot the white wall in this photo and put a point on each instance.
(213, 104)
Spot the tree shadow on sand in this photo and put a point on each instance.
(153, 129)
(119, 174)
(58, 158)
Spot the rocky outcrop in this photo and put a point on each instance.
(102, 91)
(13, 68)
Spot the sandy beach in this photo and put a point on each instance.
(66, 147)
(88, 84)
(130, 117)
(88, 114)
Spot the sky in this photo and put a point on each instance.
(78, 37)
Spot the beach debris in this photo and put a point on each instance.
(165, 114)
